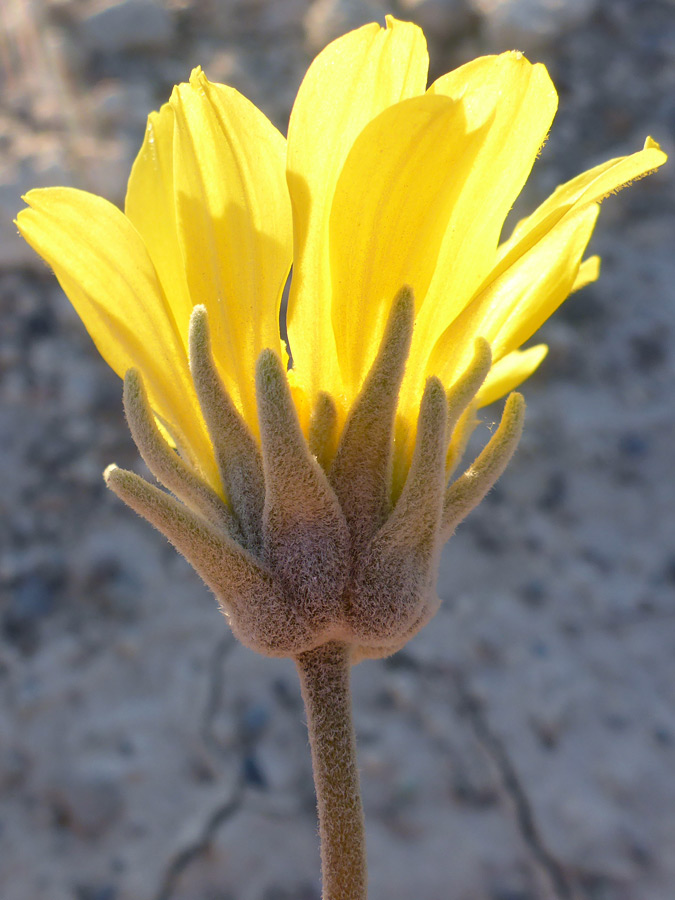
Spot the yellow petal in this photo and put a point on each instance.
(517, 366)
(545, 249)
(559, 254)
(589, 187)
(347, 85)
(150, 205)
(103, 266)
(519, 101)
(510, 371)
(511, 104)
(510, 308)
(589, 271)
(234, 224)
(393, 199)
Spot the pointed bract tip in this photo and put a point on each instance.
(268, 358)
(119, 480)
(268, 371)
(199, 317)
(199, 334)
(133, 382)
(513, 417)
(434, 393)
(461, 394)
(109, 472)
(404, 301)
(515, 406)
(199, 309)
(397, 332)
(468, 490)
(272, 393)
(135, 401)
(482, 348)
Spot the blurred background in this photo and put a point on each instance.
(523, 745)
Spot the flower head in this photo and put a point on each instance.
(314, 501)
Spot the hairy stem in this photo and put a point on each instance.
(324, 679)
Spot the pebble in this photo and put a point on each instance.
(87, 803)
(34, 598)
(96, 892)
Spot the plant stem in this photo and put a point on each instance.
(324, 679)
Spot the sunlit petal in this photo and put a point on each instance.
(518, 101)
(510, 371)
(590, 187)
(234, 224)
(589, 271)
(103, 266)
(348, 84)
(396, 192)
(510, 308)
(151, 207)
(511, 104)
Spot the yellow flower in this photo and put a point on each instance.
(382, 183)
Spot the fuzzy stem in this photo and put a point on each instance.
(324, 679)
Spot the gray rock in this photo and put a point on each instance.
(129, 25)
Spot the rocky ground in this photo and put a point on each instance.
(523, 746)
